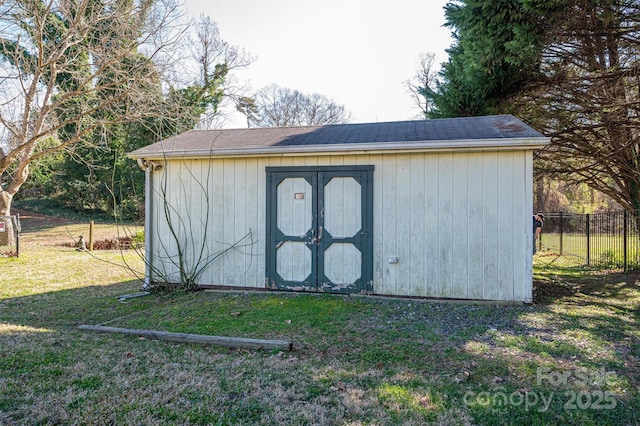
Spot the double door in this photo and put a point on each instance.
(319, 228)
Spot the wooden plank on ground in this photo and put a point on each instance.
(230, 342)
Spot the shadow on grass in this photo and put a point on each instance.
(63, 309)
(554, 282)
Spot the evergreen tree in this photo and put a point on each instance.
(497, 44)
(568, 67)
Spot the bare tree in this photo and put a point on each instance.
(277, 106)
(423, 80)
(246, 105)
(216, 60)
(70, 68)
(587, 98)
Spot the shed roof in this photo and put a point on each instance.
(498, 131)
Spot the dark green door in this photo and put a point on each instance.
(319, 228)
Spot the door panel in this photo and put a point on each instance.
(319, 228)
(294, 223)
(293, 261)
(295, 208)
(342, 207)
(342, 264)
(292, 219)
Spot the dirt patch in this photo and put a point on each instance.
(33, 221)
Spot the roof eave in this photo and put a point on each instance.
(530, 143)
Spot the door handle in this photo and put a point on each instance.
(317, 239)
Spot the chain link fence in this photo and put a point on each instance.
(10, 236)
(604, 240)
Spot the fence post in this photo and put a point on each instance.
(561, 231)
(625, 233)
(18, 236)
(18, 229)
(91, 235)
(588, 239)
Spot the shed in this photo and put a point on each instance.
(432, 208)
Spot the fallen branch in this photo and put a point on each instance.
(125, 297)
(230, 342)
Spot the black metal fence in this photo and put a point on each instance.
(10, 235)
(606, 240)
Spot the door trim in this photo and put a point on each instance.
(366, 173)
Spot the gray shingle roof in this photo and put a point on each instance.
(332, 136)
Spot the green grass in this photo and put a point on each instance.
(603, 251)
(357, 360)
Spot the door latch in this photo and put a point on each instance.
(317, 239)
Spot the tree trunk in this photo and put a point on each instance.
(19, 178)
(6, 236)
(539, 205)
(635, 203)
(5, 203)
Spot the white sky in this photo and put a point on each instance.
(358, 53)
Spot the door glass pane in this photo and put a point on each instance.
(342, 263)
(342, 207)
(293, 261)
(295, 215)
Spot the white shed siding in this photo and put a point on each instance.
(458, 222)
(523, 254)
(475, 239)
(460, 232)
(489, 220)
(403, 225)
(218, 199)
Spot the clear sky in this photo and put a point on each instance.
(358, 53)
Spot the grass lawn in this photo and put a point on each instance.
(602, 250)
(570, 358)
